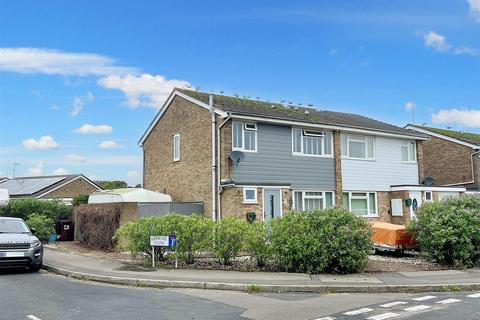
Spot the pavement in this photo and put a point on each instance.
(122, 273)
(47, 296)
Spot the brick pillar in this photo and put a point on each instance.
(420, 161)
(337, 156)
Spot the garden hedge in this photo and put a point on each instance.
(97, 225)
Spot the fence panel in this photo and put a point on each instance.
(163, 208)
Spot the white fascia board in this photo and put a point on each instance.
(444, 137)
(64, 184)
(425, 188)
(327, 126)
(165, 106)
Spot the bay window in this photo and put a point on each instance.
(358, 147)
(409, 151)
(312, 200)
(244, 136)
(311, 143)
(363, 204)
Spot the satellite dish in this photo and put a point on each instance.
(429, 181)
(237, 156)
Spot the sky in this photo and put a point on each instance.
(80, 81)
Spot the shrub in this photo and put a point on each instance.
(228, 239)
(449, 231)
(22, 208)
(332, 240)
(257, 243)
(42, 224)
(193, 236)
(97, 225)
(80, 199)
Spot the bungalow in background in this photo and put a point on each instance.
(59, 187)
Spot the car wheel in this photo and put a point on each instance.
(35, 267)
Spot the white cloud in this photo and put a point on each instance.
(54, 62)
(465, 117)
(92, 129)
(143, 91)
(79, 102)
(474, 9)
(436, 41)
(37, 170)
(59, 172)
(44, 143)
(439, 43)
(109, 144)
(93, 177)
(410, 105)
(75, 158)
(132, 174)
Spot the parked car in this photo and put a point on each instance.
(18, 245)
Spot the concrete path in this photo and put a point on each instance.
(117, 272)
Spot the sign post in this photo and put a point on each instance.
(163, 241)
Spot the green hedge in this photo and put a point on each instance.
(43, 225)
(22, 208)
(333, 240)
(448, 231)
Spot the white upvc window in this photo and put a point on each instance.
(428, 196)
(409, 151)
(358, 147)
(249, 195)
(311, 143)
(361, 203)
(312, 200)
(244, 136)
(176, 147)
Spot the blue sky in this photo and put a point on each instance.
(81, 80)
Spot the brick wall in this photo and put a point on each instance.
(337, 155)
(74, 188)
(420, 162)
(406, 210)
(447, 162)
(189, 179)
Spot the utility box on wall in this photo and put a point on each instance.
(397, 207)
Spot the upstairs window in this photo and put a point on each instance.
(358, 147)
(176, 147)
(409, 151)
(312, 200)
(311, 143)
(244, 136)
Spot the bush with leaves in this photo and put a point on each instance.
(448, 231)
(194, 235)
(332, 240)
(97, 225)
(42, 224)
(22, 208)
(257, 244)
(229, 237)
(80, 199)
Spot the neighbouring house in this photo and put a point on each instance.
(59, 187)
(240, 155)
(451, 158)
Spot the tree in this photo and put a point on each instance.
(138, 185)
(115, 184)
(80, 199)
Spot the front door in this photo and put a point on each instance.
(416, 197)
(272, 204)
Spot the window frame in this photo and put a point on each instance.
(323, 197)
(244, 128)
(250, 201)
(312, 134)
(176, 157)
(366, 197)
(425, 196)
(406, 144)
(347, 146)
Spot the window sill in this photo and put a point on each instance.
(359, 159)
(243, 150)
(312, 155)
(371, 216)
(249, 202)
(409, 162)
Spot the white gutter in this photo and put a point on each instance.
(473, 172)
(214, 166)
(328, 126)
(219, 173)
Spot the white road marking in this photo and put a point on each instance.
(424, 298)
(475, 295)
(392, 304)
(326, 318)
(417, 308)
(359, 311)
(32, 317)
(383, 316)
(448, 301)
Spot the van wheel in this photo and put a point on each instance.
(35, 267)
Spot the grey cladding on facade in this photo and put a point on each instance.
(273, 163)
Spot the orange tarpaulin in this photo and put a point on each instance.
(390, 234)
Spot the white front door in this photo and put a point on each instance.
(416, 197)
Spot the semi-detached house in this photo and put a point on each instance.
(240, 155)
